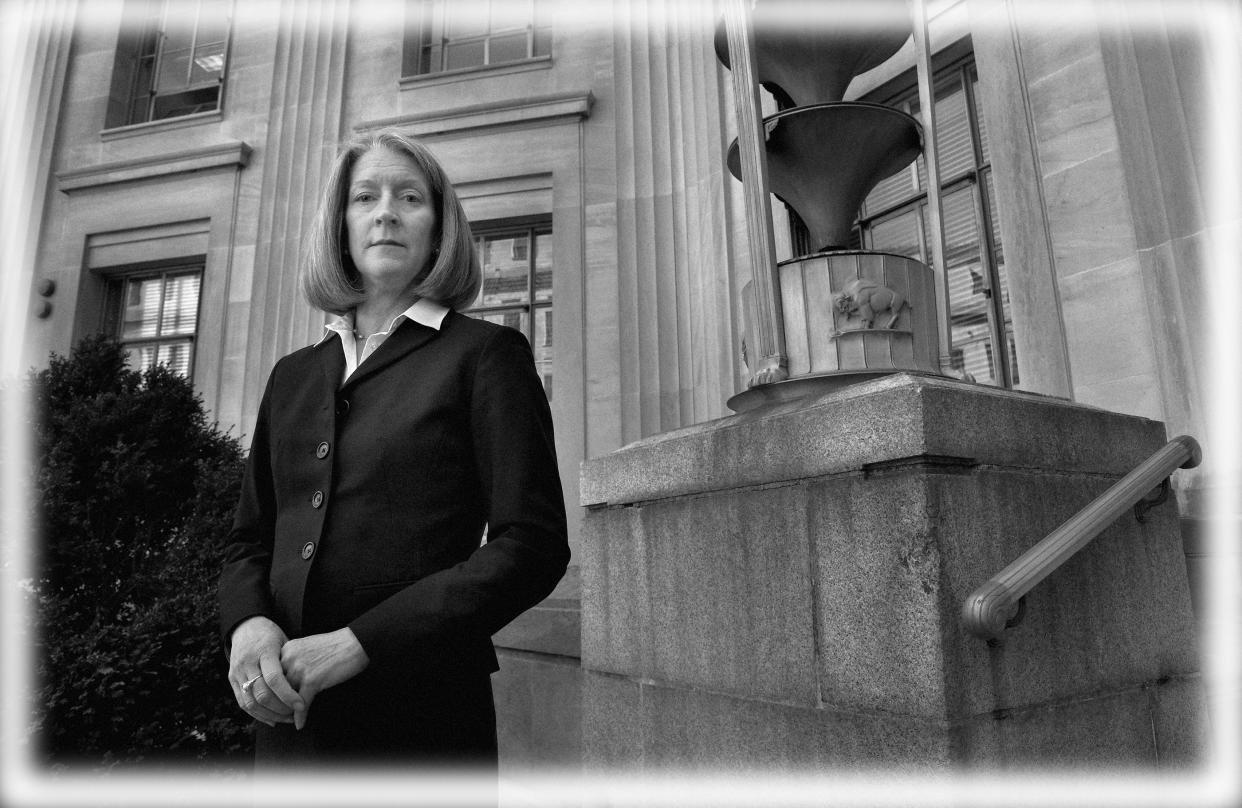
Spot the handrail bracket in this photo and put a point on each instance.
(1158, 496)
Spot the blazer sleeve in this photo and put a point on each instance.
(243, 590)
(527, 549)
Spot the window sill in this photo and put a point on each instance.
(468, 73)
(180, 122)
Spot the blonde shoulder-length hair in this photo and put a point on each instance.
(329, 280)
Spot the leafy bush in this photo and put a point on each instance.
(136, 491)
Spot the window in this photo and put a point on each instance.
(517, 286)
(444, 35)
(155, 316)
(169, 60)
(894, 219)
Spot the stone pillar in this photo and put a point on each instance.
(782, 588)
(303, 133)
(668, 293)
(35, 40)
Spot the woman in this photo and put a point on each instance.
(356, 600)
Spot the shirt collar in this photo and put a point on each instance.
(423, 311)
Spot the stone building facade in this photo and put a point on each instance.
(171, 207)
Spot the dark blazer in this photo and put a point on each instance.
(364, 506)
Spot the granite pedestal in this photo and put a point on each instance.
(782, 589)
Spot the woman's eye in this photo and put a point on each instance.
(363, 196)
(412, 198)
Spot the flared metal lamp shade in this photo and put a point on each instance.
(823, 160)
(808, 53)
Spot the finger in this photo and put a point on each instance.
(242, 684)
(267, 698)
(248, 700)
(257, 711)
(305, 696)
(278, 686)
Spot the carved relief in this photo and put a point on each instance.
(867, 300)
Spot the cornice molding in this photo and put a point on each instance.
(236, 153)
(543, 109)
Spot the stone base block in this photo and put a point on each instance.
(802, 567)
(631, 725)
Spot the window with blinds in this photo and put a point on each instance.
(154, 315)
(894, 219)
(517, 286)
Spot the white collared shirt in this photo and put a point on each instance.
(424, 312)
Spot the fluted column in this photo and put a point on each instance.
(676, 339)
(303, 134)
(34, 53)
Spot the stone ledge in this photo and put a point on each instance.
(552, 627)
(236, 153)
(567, 106)
(894, 418)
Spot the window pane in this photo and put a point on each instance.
(513, 319)
(542, 345)
(953, 143)
(141, 357)
(899, 235)
(970, 330)
(891, 191)
(177, 356)
(180, 305)
(510, 14)
(463, 54)
(208, 63)
(463, 19)
(507, 48)
(213, 21)
(142, 309)
(506, 267)
(174, 70)
(187, 103)
(543, 266)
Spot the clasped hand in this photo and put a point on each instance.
(275, 679)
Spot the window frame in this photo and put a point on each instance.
(117, 284)
(532, 228)
(1000, 344)
(144, 24)
(425, 17)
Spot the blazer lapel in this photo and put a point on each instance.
(408, 337)
(333, 361)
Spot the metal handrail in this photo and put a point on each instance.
(987, 609)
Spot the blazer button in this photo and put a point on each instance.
(316, 499)
(308, 550)
(342, 407)
(322, 451)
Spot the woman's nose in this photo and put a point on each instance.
(383, 211)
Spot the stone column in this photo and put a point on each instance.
(303, 133)
(34, 55)
(782, 588)
(673, 296)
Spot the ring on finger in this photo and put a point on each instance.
(249, 684)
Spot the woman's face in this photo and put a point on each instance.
(391, 220)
